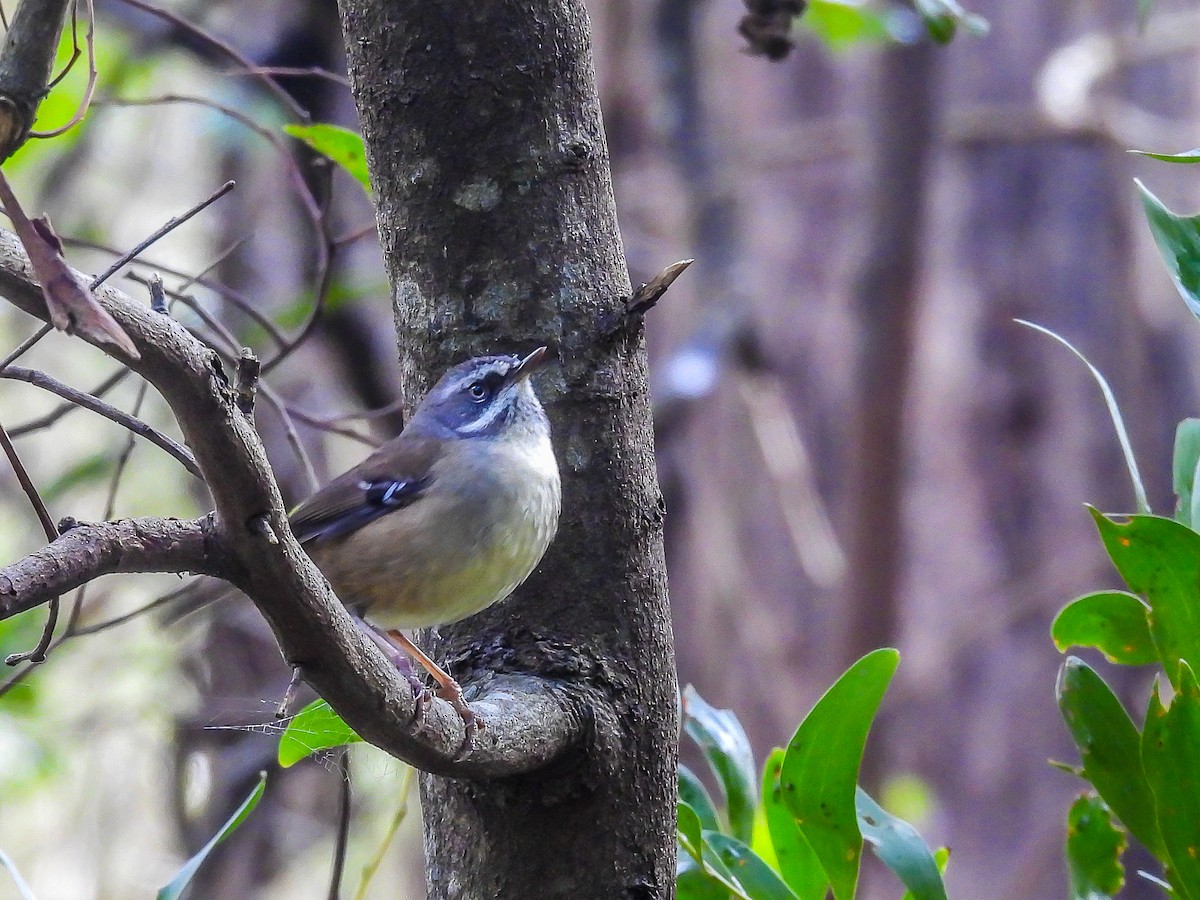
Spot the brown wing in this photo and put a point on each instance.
(391, 478)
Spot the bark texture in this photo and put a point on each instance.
(496, 218)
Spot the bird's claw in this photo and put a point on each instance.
(472, 723)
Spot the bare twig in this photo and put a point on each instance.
(325, 425)
(343, 827)
(290, 72)
(38, 653)
(66, 407)
(229, 52)
(170, 225)
(25, 346)
(87, 401)
(90, 90)
(651, 292)
(307, 202)
(289, 694)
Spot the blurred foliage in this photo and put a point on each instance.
(803, 835)
(1143, 781)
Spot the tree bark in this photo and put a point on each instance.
(496, 217)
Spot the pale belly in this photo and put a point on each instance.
(400, 573)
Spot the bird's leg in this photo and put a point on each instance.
(448, 688)
(401, 660)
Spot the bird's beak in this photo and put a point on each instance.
(528, 365)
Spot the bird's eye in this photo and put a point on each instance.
(478, 391)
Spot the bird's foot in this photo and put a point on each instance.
(450, 691)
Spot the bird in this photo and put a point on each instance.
(447, 518)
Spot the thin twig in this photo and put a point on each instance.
(285, 99)
(293, 437)
(170, 225)
(290, 72)
(87, 401)
(154, 604)
(38, 653)
(66, 407)
(25, 346)
(343, 829)
(122, 260)
(325, 425)
(90, 90)
(303, 193)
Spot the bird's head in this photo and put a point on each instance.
(486, 397)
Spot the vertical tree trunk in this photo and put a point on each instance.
(496, 216)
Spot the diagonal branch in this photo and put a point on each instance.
(531, 721)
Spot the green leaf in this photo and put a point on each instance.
(343, 146)
(184, 876)
(1187, 157)
(689, 829)
(316, 727)
(727, 749)
(705, 861)
(941, 856)
(798, 864)
(22, 886)
(1114, 622)
(842, 25)
(756, 878)
(942, 18)
(1185, 465)
(693, 793)
(820, 770)
(1171, 758)
(1094, 848)
(1114, 413)
(1178, 240)
(901, 848)
(693, 883)
(1160, 559)
(1110, 748)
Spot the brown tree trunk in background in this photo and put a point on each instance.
(497, 224)
(887, 300)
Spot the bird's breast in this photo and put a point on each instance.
(468, 542)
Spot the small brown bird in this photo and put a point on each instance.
(450, 516)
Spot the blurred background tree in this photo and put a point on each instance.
(856, 444)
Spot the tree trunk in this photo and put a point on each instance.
(496, 217)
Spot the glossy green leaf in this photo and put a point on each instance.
(756, 878)
(21, 885)
(184, 876)
(1178, 240)
(1110, 749)
(901, 848)
(1160, 559)
(1094, 848)
(727, 750)
(820, 770)
(343, 146)
(705, 863)
(693, 793)
(1171, 758)
(1114, 622)
(316, 727)
(1185, 465)
(1114, 413)
(797, 863)
(842, 25)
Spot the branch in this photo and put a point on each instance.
(87, 551)
(530, 721)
